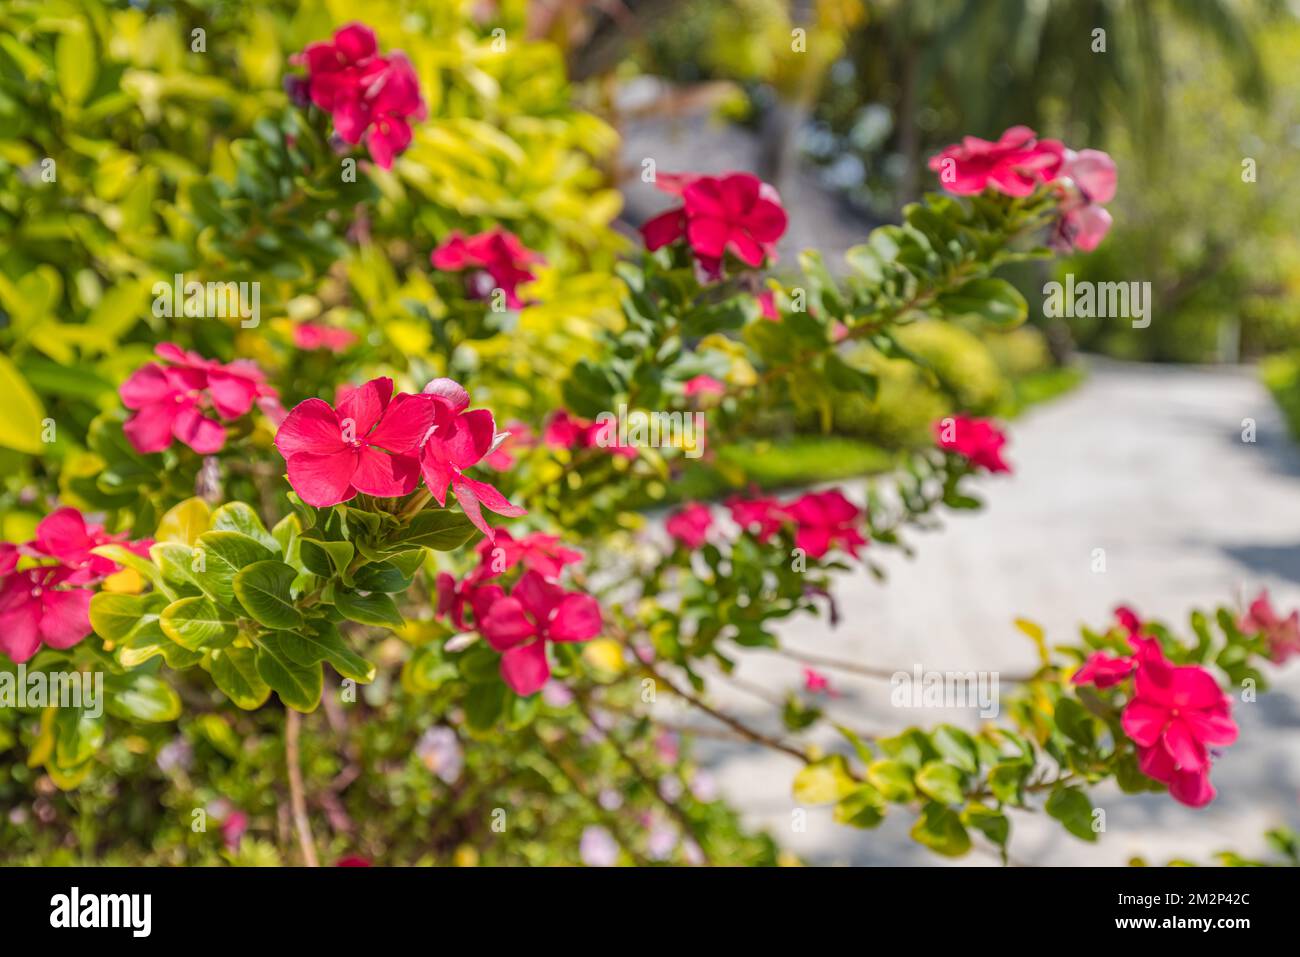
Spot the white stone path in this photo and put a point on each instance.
(1144, 461)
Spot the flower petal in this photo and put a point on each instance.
(383, 475)
(525, 669)
(323, 480)
(311, 426)
(577, 618)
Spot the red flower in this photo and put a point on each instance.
(1103, 671)
(767, 305)
(977, 440)
(690, 525)
(36, 605)
(762, 516)
(1015, 165)
(171, 401)
(538, 552)
(1128, 620)
(459, 440)
(814, 682)
(703, 385)
(568, 431)
(352, 860)
(498, 253)
(64, 535)
(367, 445)
(535, 612)
(735, 212)
(825, 520)
(1281, 634)
(367, 95)
(1175, 712)
(311, 336)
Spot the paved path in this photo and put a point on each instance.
(1146, 462)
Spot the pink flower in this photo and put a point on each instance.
(460, 439)
(1015, 165)
(767, 305)
(814, 682)
(233, 828)
(977, 440)
(567, 431)
(762, 516)
(368, 96)
(1281, 634)
(500, 260)
(36, 605)
(1088, 179)
(1093, 172)
(353, 860)
(367, 445)
(535, 612)
(517, 436)
(1082, 227)
(311, 336)
(1103, 671)
(690, 525)
(825, 520)
(1175, 712)
(1128, 620)
(704, 385)
(172, 401)
(64, 535)
(538, 552)
(735, 212)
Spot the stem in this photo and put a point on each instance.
(297, 797)
(867, 671)
(740, 728)
(414, 505)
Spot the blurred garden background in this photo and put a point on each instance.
(1172, 448)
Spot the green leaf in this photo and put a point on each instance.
(141, 698)
(184, 523)
(326, 644)
(77, 736)
(940, 829)
(957, 747)
(21, 424)
(173, 560)
(238, 517)
(1075, 722)
(223, 556)
(382, 577)
(263, 589)
(863, 807)
(825, 781)
(234, 671)
(372, 609)
(484, 706)
(941, 781)
(992, 824)
(149, 641)
(299, 686)
(440, 529)
(114, 616)
(1007, 781)
(74, 62)
(995, 300)
(1072, 808)
(196, 623)
(892, 779)
(325, 558)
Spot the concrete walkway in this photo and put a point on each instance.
(1145, 462)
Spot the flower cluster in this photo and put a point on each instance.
(564, 430)
(173, 400)
(367, 95)
(495, 259)
(978, 441)
(822, 521)
(1017, 163)
(1174, 713)
(734, 212)
(537, 609)
(380, 444)
(311, 336)
(1282, 635)
(48, 600)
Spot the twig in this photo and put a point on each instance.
(297, 797)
